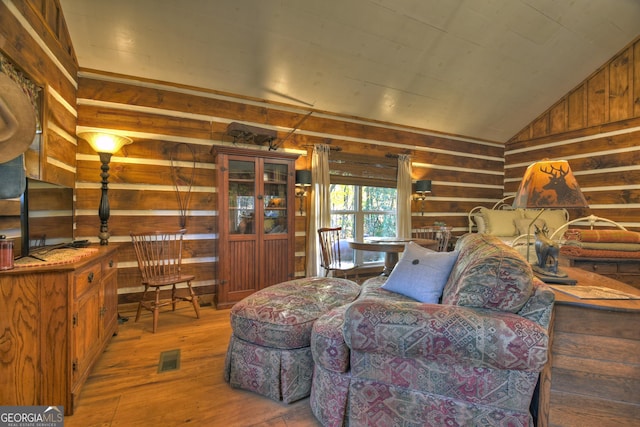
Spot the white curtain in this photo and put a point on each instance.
(404, 196)
(320, 207)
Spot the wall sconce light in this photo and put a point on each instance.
(105, 145)
(423, 187)
(303, 180)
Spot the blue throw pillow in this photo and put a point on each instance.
(421, 273)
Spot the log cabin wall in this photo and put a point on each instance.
(596, 127)
(168, 121)
(35, 41)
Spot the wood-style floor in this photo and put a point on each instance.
(125, 388)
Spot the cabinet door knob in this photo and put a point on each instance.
(110, 263)
(90, 277)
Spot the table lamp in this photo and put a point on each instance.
(548, 184)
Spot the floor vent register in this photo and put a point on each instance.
(169, 361)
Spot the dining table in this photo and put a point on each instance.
(391, 246)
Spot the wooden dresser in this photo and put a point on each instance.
(593, 374)
(55, 321)
(622, 269)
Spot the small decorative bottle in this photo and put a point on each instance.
(6, 253)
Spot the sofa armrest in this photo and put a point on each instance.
(446, 334)
(540, 305)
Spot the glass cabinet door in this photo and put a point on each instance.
(275, 198)
(242, 193)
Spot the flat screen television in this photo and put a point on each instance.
(46, 216)
(43, 216)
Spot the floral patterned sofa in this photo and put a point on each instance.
(473, 360)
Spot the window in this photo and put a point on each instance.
(363, 211)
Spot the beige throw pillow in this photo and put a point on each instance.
(501, 222)
(522, 225)
(554, 218)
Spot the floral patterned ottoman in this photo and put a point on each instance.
(269, 351)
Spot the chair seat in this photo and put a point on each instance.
(169, 280)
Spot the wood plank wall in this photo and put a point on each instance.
(161, 117)
(596, 127)
(34, 38)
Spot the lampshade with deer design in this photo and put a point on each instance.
(549, 184)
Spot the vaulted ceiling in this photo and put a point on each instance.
(479, 68)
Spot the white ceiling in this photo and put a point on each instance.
(479, 68)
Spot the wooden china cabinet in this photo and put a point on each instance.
(256, 213)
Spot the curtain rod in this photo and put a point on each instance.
(331, 147)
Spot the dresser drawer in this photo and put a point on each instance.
(109, 264)
(629, 267)
(597, 267)
(87, 278)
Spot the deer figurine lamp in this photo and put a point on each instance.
(548, 184)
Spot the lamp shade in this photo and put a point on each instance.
(303, 177)
(549, 184)
(105, 142)
(423, 186)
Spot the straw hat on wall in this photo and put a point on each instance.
(17, 120)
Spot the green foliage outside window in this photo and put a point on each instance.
(364, 211)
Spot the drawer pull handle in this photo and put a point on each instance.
(90, 277)
(110, 263)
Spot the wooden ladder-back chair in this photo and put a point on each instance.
(159, 257)
(330, 255)
(441, 234)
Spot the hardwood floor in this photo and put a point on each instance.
(126, 389)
